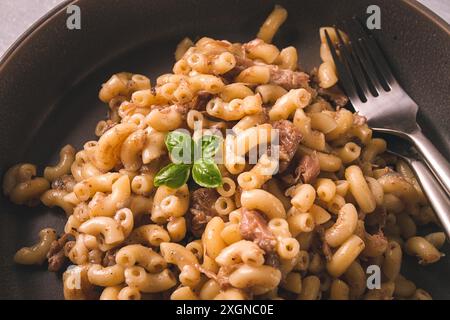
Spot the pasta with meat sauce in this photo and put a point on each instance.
(306, 226)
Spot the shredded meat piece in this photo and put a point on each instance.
(377, 218)
(376, 244)
(65, 182)
(110, 258)
(254, 227)
(183, 108)
(206, 272)
(224, 274)
(326, 250)
(95, 256)
(335, 95)
(265, 115)
(272, 259)
(289, 179)
(55, 256)
(115, 102)
(56, 261)
(285, 78)
(242, 63)
(202, 209)
(313, 92)
(222, 277)
(237, 196)
(199, 102)
(202, 100)
(361, 215)
(288, 79)
(289, 139)
(308, 168)
(69, 245)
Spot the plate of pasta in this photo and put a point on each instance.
(211, 160)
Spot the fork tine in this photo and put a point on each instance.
(371, 72)
(361, 55)
(354, 66)
(345, 76)
(376, 54)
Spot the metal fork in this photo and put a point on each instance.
(375, 93)
(437, 198)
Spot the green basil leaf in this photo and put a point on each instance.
(206, 173)
(173, 175)
(180, 146)
(209, 145)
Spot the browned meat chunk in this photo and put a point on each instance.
(254, 227)
(202, 100)
(110, 258)
(335, 95)
(202, 209)
(289, 79)
(326, 250)
(376, 244)
(308, 168)
(55, 256)
(199, 102)
(289, 139)
(237, 196)
(285, 78)
(377, 219)
(272, 259)
(224, 274)
(242, 63)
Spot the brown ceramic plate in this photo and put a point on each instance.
(49, 81)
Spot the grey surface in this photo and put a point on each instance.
(441, 7)
(17, 15)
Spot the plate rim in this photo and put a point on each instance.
(28, 33)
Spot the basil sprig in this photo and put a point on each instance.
(209, 145)
(173, 175)
(206, 173)
(180, 145)
(182, 150)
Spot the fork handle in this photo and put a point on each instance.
(435, 160)
(437, 198)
